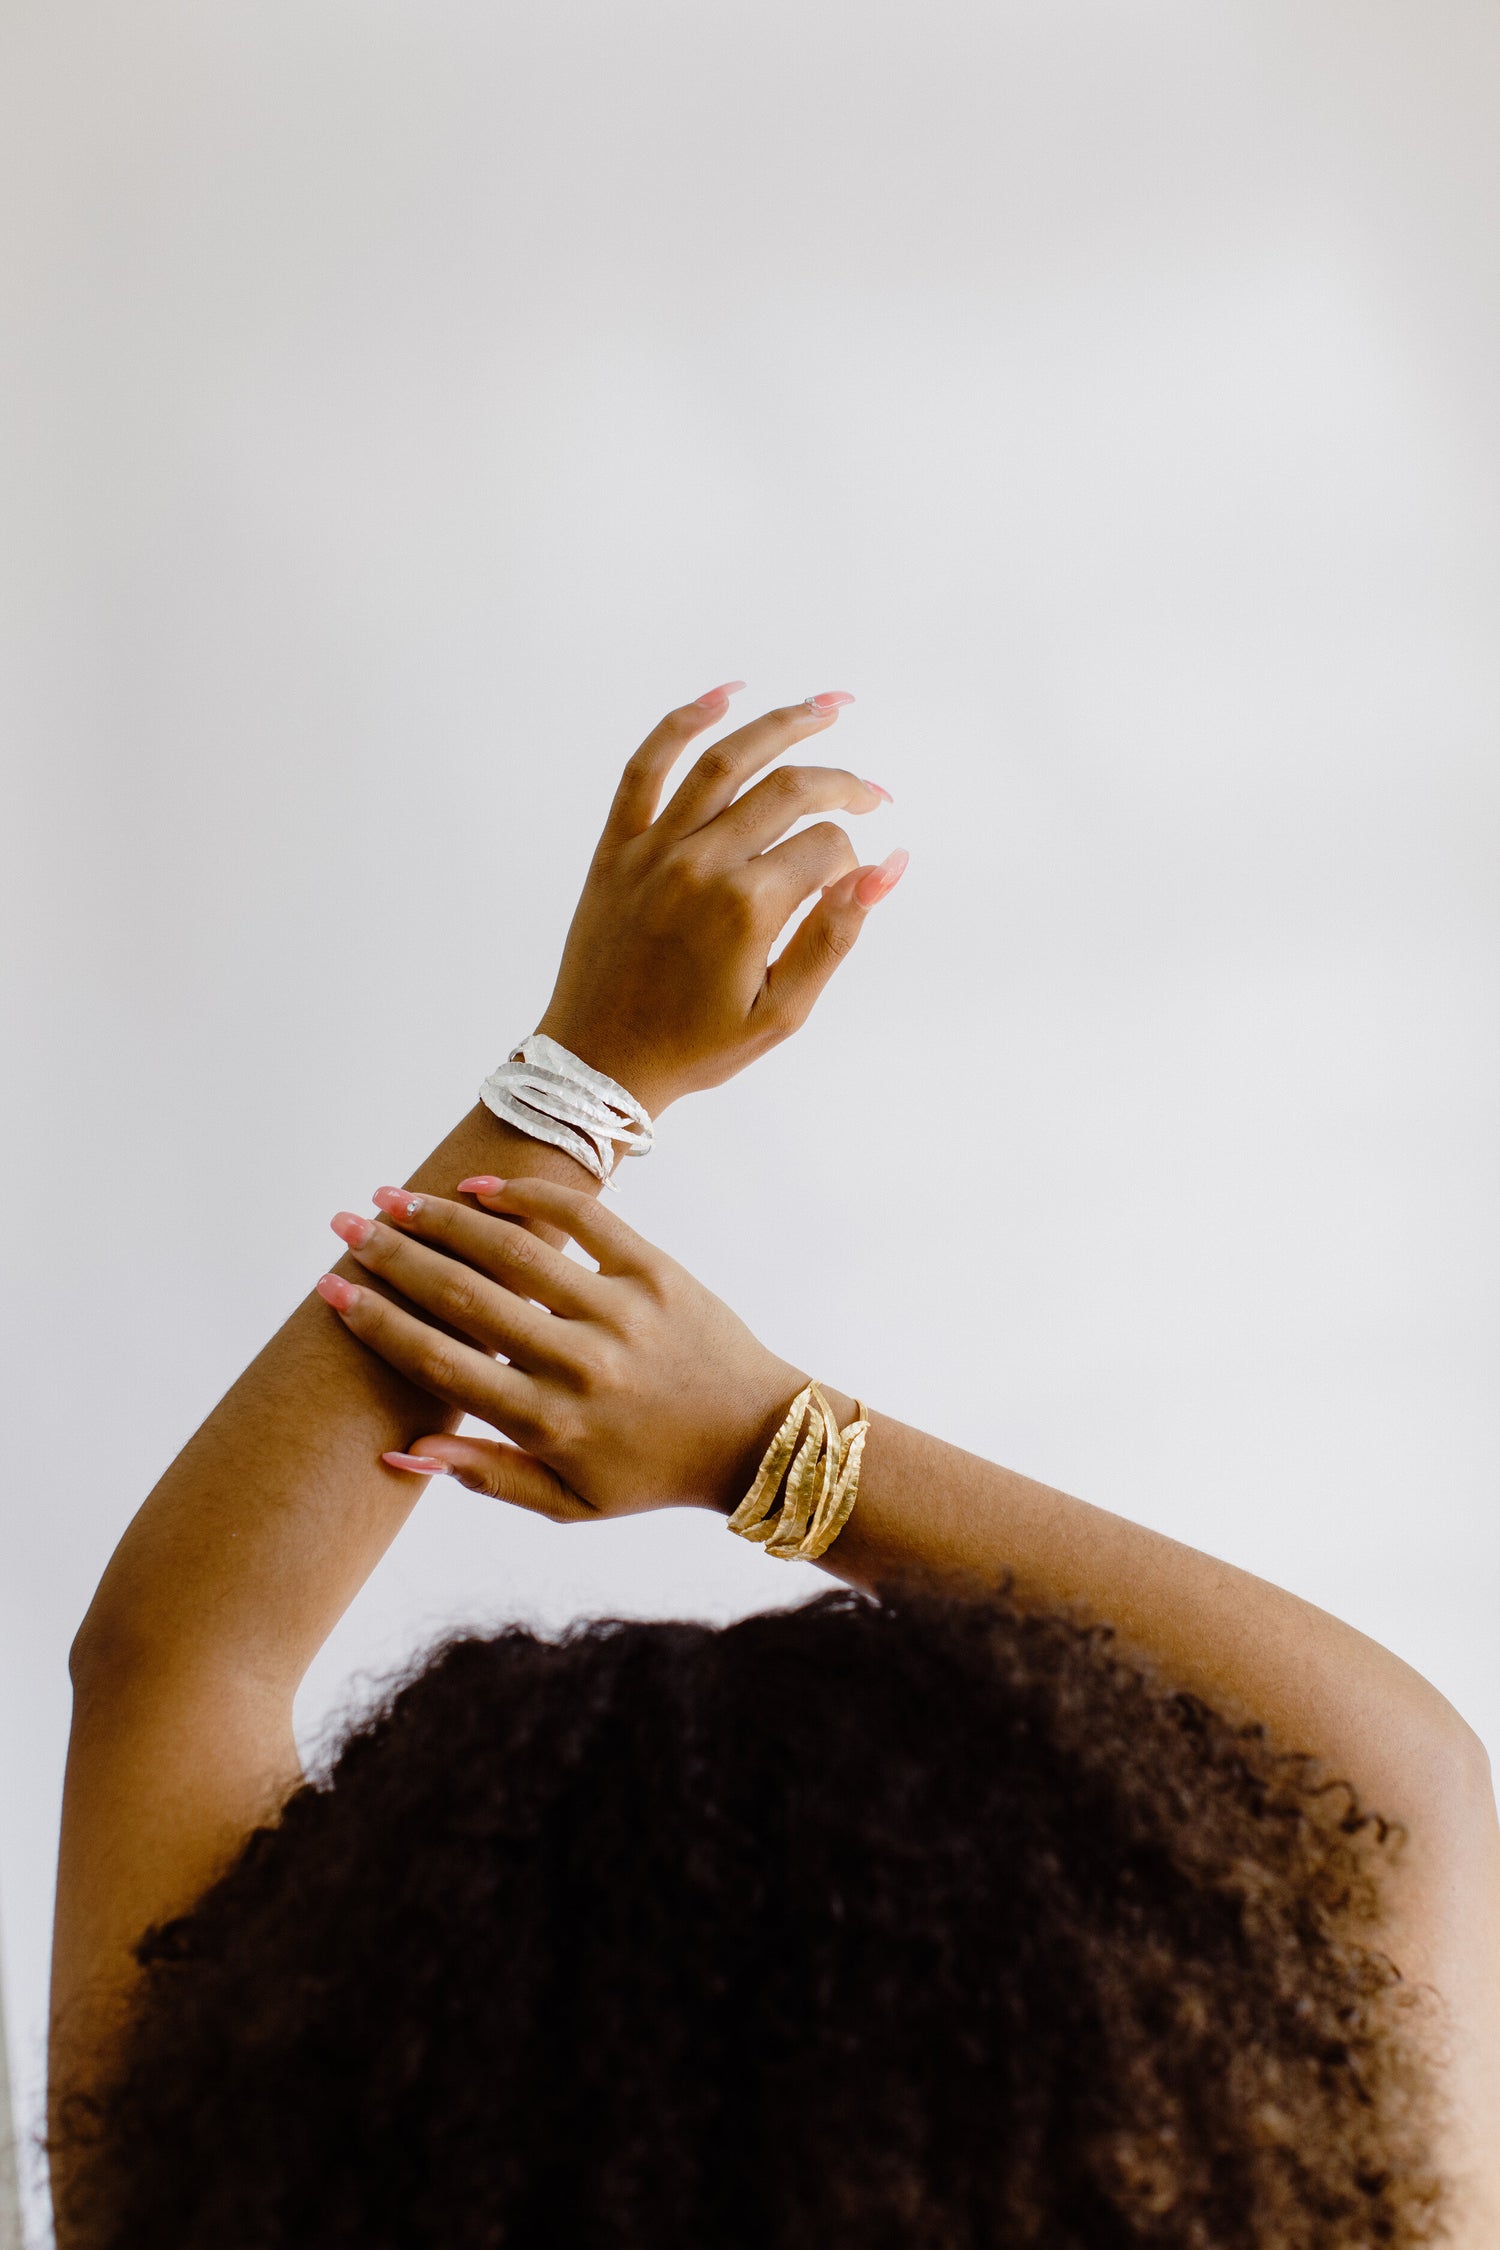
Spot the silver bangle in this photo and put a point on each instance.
(548, 1094)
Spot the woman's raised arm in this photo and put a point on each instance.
(260, 1533)
(640, 1389)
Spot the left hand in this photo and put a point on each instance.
(627, 1389)
(665, 983)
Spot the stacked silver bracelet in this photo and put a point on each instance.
(549, 1094)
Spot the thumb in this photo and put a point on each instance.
(502, 1472)
(823, 938)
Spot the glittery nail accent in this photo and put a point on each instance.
(398, 1202)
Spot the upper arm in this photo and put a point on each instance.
(1254, 1653)
(168, 1772)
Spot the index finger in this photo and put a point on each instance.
(635, 800)
(617, 1248)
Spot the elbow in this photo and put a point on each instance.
(87, 1656)
(1476, 1776)
(107, 1649)
(1453, 1783)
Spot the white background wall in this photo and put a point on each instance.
(405, 404)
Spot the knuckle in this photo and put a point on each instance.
(710, 894)
(461, 1298)
(832, 841)
(682, 870)
(483, 1478)
(439, 1366)
(739, 903)
(639, 1321)
(601, 1365)
(747, 885)
(522, 1250)
(836, 939)
(717, 764)
(566, 1433)
(532, 1428)
(794, 783)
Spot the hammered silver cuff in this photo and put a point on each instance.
(548, 1094)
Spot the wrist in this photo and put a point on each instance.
(629, 1065)
(763, 1410)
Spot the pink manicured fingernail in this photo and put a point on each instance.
(875, 785)
(713, 694)
(400, 1202)
(872, 888)
(829, 701)
(355, 1230)
(340, 1293)
(420, 1464)
(483, 1183)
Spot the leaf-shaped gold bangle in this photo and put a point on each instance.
(821, 1470)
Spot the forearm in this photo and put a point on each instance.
(260, 1533)
(265, 1526)
(231, 1575)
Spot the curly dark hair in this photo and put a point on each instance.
(900, 1920)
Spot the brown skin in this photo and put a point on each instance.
(253, 1543)
(636, 1388)
(698, 895)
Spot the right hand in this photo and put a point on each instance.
(628, 1389)
(665, 983)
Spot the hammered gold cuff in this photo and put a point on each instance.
(820, 1466)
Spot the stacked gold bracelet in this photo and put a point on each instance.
(821, 1472)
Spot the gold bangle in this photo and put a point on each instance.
(821, 1474)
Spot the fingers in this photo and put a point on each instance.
(617, 1248)
(519, 1261)
(715, 780)
(495, 1314)
(635, 800)
(442, 1365)
(500, 1472)
(821, 942)
(813, 861)
(791, 793)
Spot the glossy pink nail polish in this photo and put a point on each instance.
(875, 785)
(399, 1202)
(719, 694)
(420, 1464)
(354, 1230)
(483, 1183)
(339, 1293)
(830, 700)
(872, 888)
